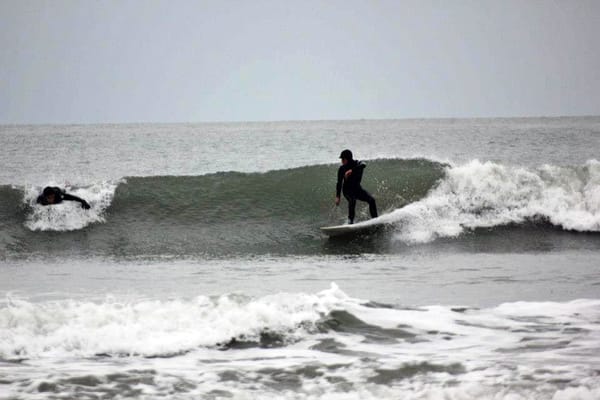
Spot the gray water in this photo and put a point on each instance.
(82, 153)
(484, 284)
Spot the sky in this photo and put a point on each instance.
(194, 61)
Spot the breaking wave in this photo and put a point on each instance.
(319, 345)
(280, 212)
(487, 194)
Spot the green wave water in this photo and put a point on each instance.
(277, 212)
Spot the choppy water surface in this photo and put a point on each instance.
(200, 271)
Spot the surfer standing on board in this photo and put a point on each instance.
(349, 177)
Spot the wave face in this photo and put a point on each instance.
(279, 212)
(222, 213)
(309, 345)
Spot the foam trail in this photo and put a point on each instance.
(68, 215)
(487, 194)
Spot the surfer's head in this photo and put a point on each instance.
(346, 156)
(49, 195)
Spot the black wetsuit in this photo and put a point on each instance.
(59, 197)
(352, 189)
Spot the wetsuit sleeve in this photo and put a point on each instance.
(359, 169)
(70, 197)
(41, 200)
(340, 179)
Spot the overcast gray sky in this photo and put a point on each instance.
(179, 61)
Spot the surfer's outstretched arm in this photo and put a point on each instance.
(70, 197)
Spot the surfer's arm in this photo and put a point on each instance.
(358, 167)
(338, 187)
(70, 197)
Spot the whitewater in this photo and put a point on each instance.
(200, 270)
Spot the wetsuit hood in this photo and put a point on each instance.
(346, 154)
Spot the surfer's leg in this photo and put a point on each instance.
(363, 195)
(351, 208)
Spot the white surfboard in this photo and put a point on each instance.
(359, 228)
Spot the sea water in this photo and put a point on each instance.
(200, 271)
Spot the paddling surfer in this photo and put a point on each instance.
(349, 177)
(54, 195)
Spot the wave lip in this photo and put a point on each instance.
(487, 194)
(68, 215)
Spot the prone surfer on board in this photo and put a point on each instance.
(349, 177)
(54, 195)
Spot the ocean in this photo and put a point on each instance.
(200, 271)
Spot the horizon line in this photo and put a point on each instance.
(257, 121)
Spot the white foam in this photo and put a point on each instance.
(152, 327)
(487, 194)
(69, 215)
(520, 350)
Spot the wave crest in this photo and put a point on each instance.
(487, 194)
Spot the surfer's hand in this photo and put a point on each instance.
(85, 205)
(348, 173)
(337, 201)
